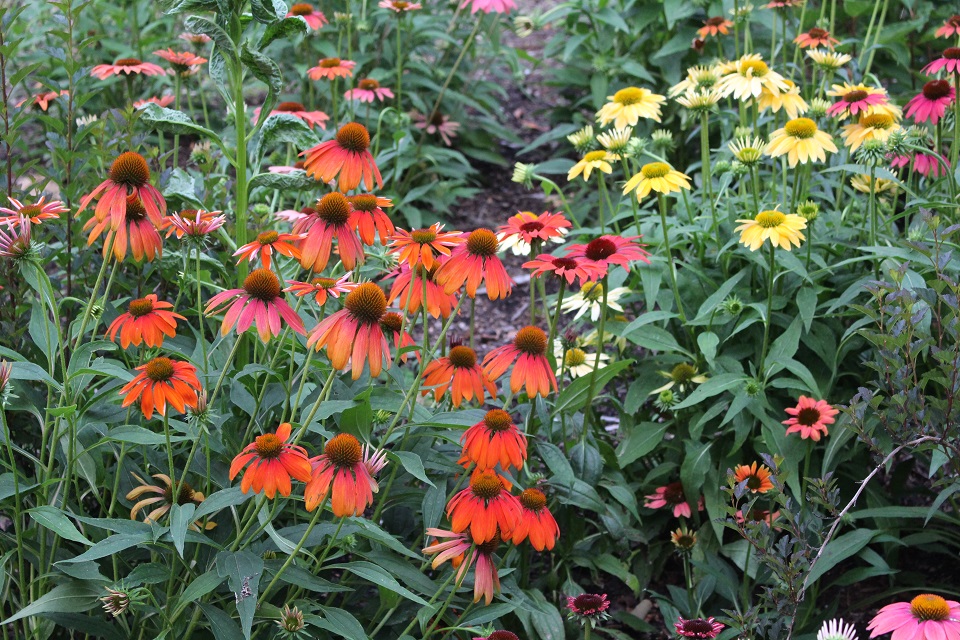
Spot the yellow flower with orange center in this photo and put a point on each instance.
(874, 126)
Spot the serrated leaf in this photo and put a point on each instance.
(285, 28)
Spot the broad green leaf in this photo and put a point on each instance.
(172, 121)
(55, 520)
(242, 569)
(221, 624)
(66, 598)
(201, 586)
(341, 623)
(181, 517)
(412, 464)
(223, 499)
(110, 546)
(378, 576)
(574, 397)
(710, 388)
(838, 550)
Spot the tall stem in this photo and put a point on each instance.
(296, 550)
(596, 361)
(707, 177)
(670, 268)
(768, 316)
(872, 206)
(96, 288)
(400, 63)
(555, 325)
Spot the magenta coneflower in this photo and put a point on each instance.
(854, 99)
(36, 212)
(368, 90)
(672, 497)
(128, 66)
(810, 418)
(931, 103)
(331, 69)
(489, 6)
(163, 101)
(258, 303)
(399, 6)
(950, 28)
(297, 110)
(567, 268)
(929, 166)
(315, 19)
(609, 250)
(15, 242)
(926, 617)
(949, 61)
(591, 606)
(437, 124)
(698, 627)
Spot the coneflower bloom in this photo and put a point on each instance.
(354, 332)
(747, 78)
(699, 79)
(536, 522)
(162, 381)
(494, 440)
(949, 61)
(927, 165)
(500, 635)
(486, 582)
(591, 606)
(437, 124)
(127, 66)
(407, 291)
(392, 323)
(146, 321)
(756, 477)
(137, 227)
(322, 288)
(35, 212)
(331, 220)
(193, 223)
(486, 508)
(590, 298)
(816, 37)
(183, 63)
(950, 28)
(128, 175)
(265, 244)
(659, 177)
(367, 217)
(874, 126)
(489, 6)
(828, 60)
(342, 474)
(196, 39)
(15, 242)
(574, 360)
(297, 110)
(347, 156)
(782, 229)
(274, 462)
(163, 500)
(526, 227)
(567, 268)
(315, 19)
(43, 99)
(854, 99)
(259, 303)
(810, 418)
(837, 629)
(672, 497)
(627, 106)
(783, 4)
(461, 374)
(331, 69)
(418, 246)
(368, 90)
(714, 26)
(599, 160)
(532, 369)
(930, 104)
(701, 628)
(608, 250)
(399, 6)
(790, 100)
(756, 516)
(162, 101)
(473, 263)
(801, 141)
(926, 617)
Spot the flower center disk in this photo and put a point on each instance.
(655, 170)
(936, 89)
(140, 307)
(757, 67)
(801, 128)
(533, 499)
(268, 446)
(928, 606)
(334, 209)
(482, 242)
(770, 219)
(366, 303)
(628, 96)
(600, 249)
(575, 357)
(487, 485)
(952, 53)
(329, 63)
(364, 202)
(368, 84)
(565, 263)
(878, 121)
(423, 236)
(127, 62)
(808, 417)
(463, 357)
(497, 420)
(301, 9)
(263, 285)
(290, 107)
(344, 450)
(130, 169)
(595, 156)
(531, 340)
(268, 237)
(391, 322)
(159, 369)
(354, 137)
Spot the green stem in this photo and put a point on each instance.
(296, 550)
(200, 318)
(591, 389)
(554, 326)
(872, 206)
(400, 63)
(955, 149)
(166, 435)
(176, 105)
(669, 254)
(876, 38)
(769, 312)
(96, 287)
(707, 177)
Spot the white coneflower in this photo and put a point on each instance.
(837, 629)
(590, 298)
(828, 60)
(583, 139)
(576, 361)
(749, 151)
(616, 140)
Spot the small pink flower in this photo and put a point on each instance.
(331, 69)
(701, 628)
(672, 495)
(259, 303)
(588, 605)
(163, 101)
(931, 103)
(489, 6)
(926, 617)
(950, 28)
(816, 37)
(297, 110)
(810, 418)
(438, 124)
(315, 19)
(43, 98)
(127, 66)
(368, 90)
(36, 213)
(399, 6)
(928, 165)
(949, 61)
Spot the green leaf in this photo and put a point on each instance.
(693, 470)
(838, 550)
(73, 597)
(172, 121)
(294, 181)
(199, 24)
(807, 303)
(284, 128)
(55, 520)
(710, 388)
(285, 29)
(358, 419)
(412, 464)
(242, 570)
(708, 342)
(341, 623)
(655, 339)
(222, 625)
(574, 397)
(378, 576)
(266, 71)
(181, 517)
(133, 434)
(268, 11)
(110, 546)
(641, 439)
(204, 584)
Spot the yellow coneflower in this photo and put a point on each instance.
(801, 141)
(627, 106)
(749, 77)
(782, 229)
(616, 140)
(699, 101)
(681, 376)
(828, 60)
(659, 177)
(790, 100)
(861, 183)
(582, 140)
(599, 160)
(875, 126)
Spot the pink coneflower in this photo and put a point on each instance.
(368, 90)
(567, 268)
(949, 61)
(128, 175)
(532, 369)
(315, 19)
(163, 101)
(347, 156)
(810, 418)
(854, 99)
(322, 288)
(475, 262)
(931, 103)
(815, 38)
(486, 582)
(500, 635)
(15, 242)
(331, 69)
(265, 244)
(437, 124)
(259, 303)
(610, 250)
(343, 474)
(128, 66)
(184, 63)
(297, 110)
(43, 99)
(671, 496)
(196, 39)
(928, 165)
(926, 617)
(489, 6)
(698, 628)
(36, 212)
(399, 6)
(194, 224)
(353, 334)
(950, 28)
(369, 219)
(331, 220)
(588, 605)
(714, 27)
(526, 228)
(783, 4)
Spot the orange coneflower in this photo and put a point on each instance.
(129, 175)
(392, 323)
(486, 508)
(526, 228)
(332, 68)
(43, 98)
(162, 101)
(275, 461)
(460, 373)
(714, 26)
(184, 63)
(127, 66)
(323, 288)
(474, 262)
(532, 369)
(407, 291)
(164, 500)
(138, 227)
(314, 18)
(345, 474)
(355, 332)
(258, 303)
(418, 246)
(265, 244)
(536, 521)
(816, 37)
(331, 220)
(297, 110)
(147, 320)
(160, 381)
(368, 218)
(492, 441)
(486, 582)
(756, 477)
(347, 156)
(36, 212)
(810, 418)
